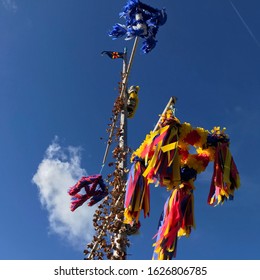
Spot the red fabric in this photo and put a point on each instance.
(192, 137)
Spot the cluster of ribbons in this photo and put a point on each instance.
(141, 21)
(95, 190)
(164, 159)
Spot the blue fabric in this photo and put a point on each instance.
(214, 139)
(188, 173)
(142, 21)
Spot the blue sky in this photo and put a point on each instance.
(56, 97)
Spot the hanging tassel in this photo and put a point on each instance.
(137, 196)
(164, 164)
(177, 220)
(95, 190)
(225, 179)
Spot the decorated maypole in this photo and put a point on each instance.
(111, 238)
(163, 159)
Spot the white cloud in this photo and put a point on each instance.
(60, 169)
(10, 5)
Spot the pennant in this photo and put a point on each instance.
(113, 55)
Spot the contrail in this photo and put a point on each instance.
(245, 24)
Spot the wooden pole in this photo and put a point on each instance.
(125, 76)
(122, 163)
(171, 102)
(120, 238)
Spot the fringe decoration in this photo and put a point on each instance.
(177, 220)
(95, 190)
(137, 196)
(160, 152)
(164, 162)
(225, 177)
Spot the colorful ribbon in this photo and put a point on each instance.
(164, 159)
(95, 190)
